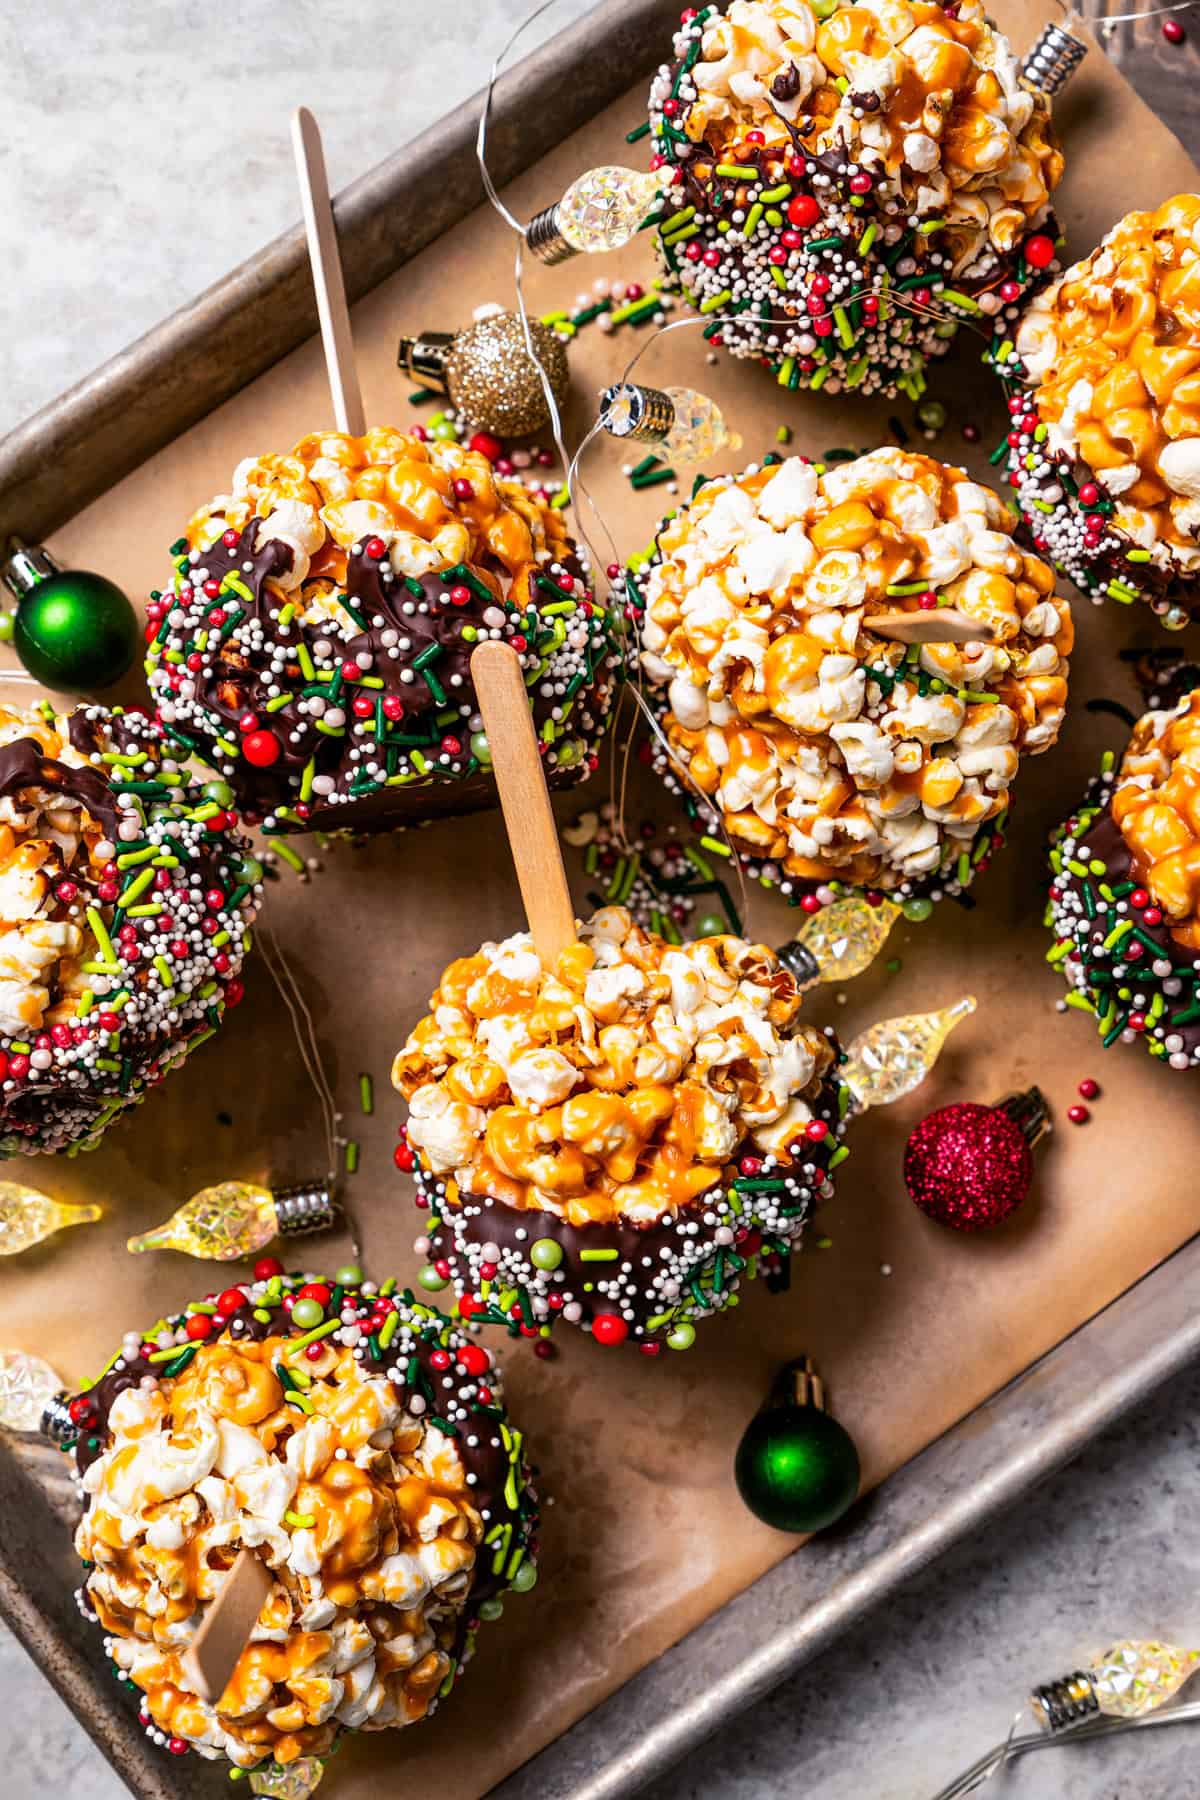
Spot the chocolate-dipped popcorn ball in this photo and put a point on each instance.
(314, 644)
(1125, 896)
(851, 183)
(617, 1143)
(1104, 388)
(827, 754)
(353, 1439)
(127, 899)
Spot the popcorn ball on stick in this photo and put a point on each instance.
(313, 646)
(611, 1130)
(351, 1443)
(614, 1140)
(1104, 442)
(127, 898)
(851, 183)
(1125, 895)
(828, 751)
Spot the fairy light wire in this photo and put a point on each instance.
(1088, 1730)
(305, 1032)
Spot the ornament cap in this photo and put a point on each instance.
(628, 410)
(24, 566)
(424, 358)
(1029, 1112)
(797, 1384)
(306, 1206)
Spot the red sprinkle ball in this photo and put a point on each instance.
(1173, 31)
(967, 1166)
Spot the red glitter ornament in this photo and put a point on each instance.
(969, 1166)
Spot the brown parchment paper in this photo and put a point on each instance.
(645, 1536)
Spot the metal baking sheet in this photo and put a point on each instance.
(110, 425)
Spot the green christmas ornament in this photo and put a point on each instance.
(74, 631)
(796, 1468)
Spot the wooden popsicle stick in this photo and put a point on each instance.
(943, 625)
(532, 833)
(212, 1655)
(328, 280)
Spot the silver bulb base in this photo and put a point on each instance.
(641, 414)
(545, 239)
(1060, 1705)
(1054, 58)
(308, 1206)
(25, 566)
(56, 1422)
(423, 358)
(800, 964)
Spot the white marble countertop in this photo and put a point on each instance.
(145, 150)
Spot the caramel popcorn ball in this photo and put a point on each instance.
(368, 1464)
(825, 752)
(314, 644)
(1105, 393)
(1125, 899)
(850, 182)
(616, 1141)
(123, 920)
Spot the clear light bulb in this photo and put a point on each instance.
(291, 1781)
(601, 210)
(840, 941)
(27, 1386)
(892, 1057)
(1134, 1677)
(27, 1216)
(683, 425)
(238, 1218)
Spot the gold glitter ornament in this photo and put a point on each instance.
(487, 372)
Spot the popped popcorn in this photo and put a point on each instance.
(1105, 387)
(827, 752)
(364, 1475)
(875, 167)
(606, 1111)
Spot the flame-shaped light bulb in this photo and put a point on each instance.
(27, 1216)
(684, 426)
(238, 1218)
(840, 941)
(288, 1781)
(1132, 1678)
(892, 1057)
(28, 1385)
(601, 210)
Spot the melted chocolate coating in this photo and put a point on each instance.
(236, 682)
(632, 1254)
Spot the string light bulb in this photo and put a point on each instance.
(683, 425)
(893, 1056)
(33, 1396)
(27, 1216)
(238, 1218)
(289, 1781)
(838, 942)
(1134, 1677)
(601, 210)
